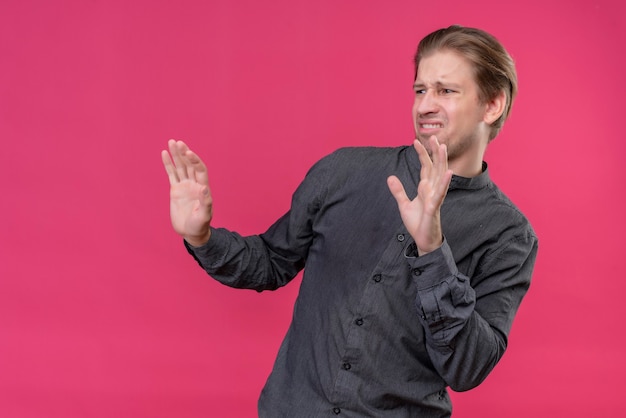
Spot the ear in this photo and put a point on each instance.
(495, 108)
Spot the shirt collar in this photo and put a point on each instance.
(458, 182)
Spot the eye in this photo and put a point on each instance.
(419, 91)
(446, 91)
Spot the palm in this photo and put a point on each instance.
(188, 210)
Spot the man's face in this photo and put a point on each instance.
(447, 105)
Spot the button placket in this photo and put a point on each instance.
(349, 367)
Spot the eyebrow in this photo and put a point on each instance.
(438, 84)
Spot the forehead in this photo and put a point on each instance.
(444, 66)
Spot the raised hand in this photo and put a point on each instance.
(191, 204)
(421, 216)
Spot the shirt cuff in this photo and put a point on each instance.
(212, 252)
(433, 268)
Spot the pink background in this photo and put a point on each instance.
(102, 312)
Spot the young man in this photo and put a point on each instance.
(415, 261)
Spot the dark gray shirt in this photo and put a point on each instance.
(376, 330)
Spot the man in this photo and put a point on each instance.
(415, 261)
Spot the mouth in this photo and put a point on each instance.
(426, 129)
(431, 125)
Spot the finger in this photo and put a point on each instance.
(169, 167)
(191, 172)
(199, 170)
(440, 157)
(424, 158)
(443, 175)
(177, 150)
(397, 190)
(441, 188)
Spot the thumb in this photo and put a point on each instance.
(205, 197)
(397, 189)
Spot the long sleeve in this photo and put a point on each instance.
(245, 262)
(467, 323)
(272, 259)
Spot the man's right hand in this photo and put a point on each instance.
(191, 204)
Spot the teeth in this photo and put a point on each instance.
(431, 125)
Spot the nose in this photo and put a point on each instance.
(425, 103)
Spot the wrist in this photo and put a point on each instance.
(198, 240)
(429, 248)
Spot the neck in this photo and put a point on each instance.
(466, 169)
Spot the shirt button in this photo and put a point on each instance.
(377, 278)
(400, 237)
(359, 321)
(417, 272)
(346, 366)
(336, 411)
